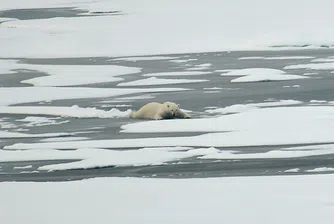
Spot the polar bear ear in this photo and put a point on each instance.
(167, 105)
(178, 105)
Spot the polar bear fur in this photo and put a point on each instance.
(159, 111)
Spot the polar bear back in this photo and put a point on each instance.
(149, 111)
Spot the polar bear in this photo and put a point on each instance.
(159, 111)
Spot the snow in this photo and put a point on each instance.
(321, 169)
(264, 126)
(314, 66)
(7, 134)
(159, 81)
(274, 199)
(88, 36)
(261, 74)
(73, 111)
(68, 75)
(35, 94)
(176, 73)
(147, 58)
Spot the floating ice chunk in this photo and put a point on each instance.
(311, 73)
(159, 81)
(265, 126)
(204, 65)
(35, 94)
(176, 73)
(145, 58)
(94, 157)
(265, 155)
(297, 198)
(261, 74)
(318, 101)
(68, 75)
(40, 121)
(197, 69)
(238, 108)
(321, 169)
(22, 167)
(314, 66)
(323, 60)
(183, 60)
(250, 58)
(73, 111)
(213, 88)
(63, 139)
(295, 170)
(5, 134)
(288, 57)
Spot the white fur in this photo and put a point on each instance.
(158, 111)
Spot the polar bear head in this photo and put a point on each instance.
(172, 108)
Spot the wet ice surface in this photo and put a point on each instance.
(96, 120)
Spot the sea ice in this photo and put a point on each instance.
(176, 73)
(279, 199)
(159, 81)
(261, 74)
(73, 111)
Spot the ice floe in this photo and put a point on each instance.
(237, 108)
(297, 198)
(160, 81)
(187, 73)
(87, 36)
(147, 58)
(265, 126)
(261, 74)
(314, 66)
(34, 94)
(22, 167)
(68, 75)
(73, 111)
(321, 169)
(7, 134)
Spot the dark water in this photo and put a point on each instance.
(319, 87)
